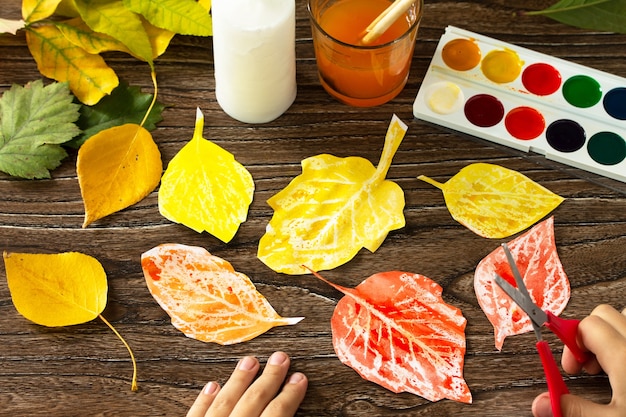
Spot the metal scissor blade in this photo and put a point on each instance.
(537, 315)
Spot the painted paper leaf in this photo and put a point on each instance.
(117, 168)
(333, 209)
(205, 188)
(11, 26)
(89, 77)
(495, 202)
(395, 330)
(56, 289)
(205, 297)
(538, 261)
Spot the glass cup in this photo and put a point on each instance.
(357, 74)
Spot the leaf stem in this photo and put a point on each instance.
(431, 181)
(133, 386)
(154, 98)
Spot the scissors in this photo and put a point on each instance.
(564, 329)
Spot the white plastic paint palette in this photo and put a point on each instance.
(526, 100)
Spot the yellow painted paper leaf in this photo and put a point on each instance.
(205, 297)
(62, 289)
(205, 188)
(36, 10)
(88, 75)
(335, 207)
(117, 168)
(495, 202)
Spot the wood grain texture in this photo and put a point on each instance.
(84, 370)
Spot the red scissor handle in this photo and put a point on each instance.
(567, 331)
(556, 385)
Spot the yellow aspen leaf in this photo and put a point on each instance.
(62, 289)
(88, 75)
(335, 207)
(36, 10)
(117, 168)
(205, 297)
(205, 188)
(159, 38)
(495, 202)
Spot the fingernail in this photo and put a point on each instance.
(295, 378)
(210, 388)
(247, 363)
(543, 407)
(277, 358)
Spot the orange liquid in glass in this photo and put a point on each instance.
(363, 76)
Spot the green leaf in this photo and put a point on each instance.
(603, 15)
(124, 105)
(185, 17)
(112, 18)
(34, 121)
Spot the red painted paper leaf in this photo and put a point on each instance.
(395, 330)
(538, 261)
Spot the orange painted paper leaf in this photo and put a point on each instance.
(495, 202)
(538, 261)
(333, 209)
(117, 168)
(205, 188)
(205, 297)
(394, 329)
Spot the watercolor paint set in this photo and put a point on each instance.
(526, 100)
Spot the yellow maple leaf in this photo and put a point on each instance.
(205, 297)
(89, 77)
(335, 207)
(36, 10)
(61, 289)
(205, 188)
(495, 202)
(116, 168)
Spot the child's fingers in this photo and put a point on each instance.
(287, 402)
(230, 394)
(204, 400)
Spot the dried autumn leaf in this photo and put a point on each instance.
(61, 289)
(89, 77)
(495, 202)
(186, 17)
(395, 330)
(335, 207)
(115, 20)
(205, 297)
(538, 261)
(35, 121)
(205, 188)
(117, 168)
(36, 10)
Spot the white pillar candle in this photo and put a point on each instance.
(254, 57)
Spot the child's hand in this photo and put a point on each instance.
(603, 333)
(241, 397)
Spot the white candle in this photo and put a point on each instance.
(254, 57)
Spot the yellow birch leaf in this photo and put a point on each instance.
(117, 168)
(335, 207)
(205, 297)
(36, 10)
(88, 75)
(205, 188)
(495, 202)
(62, 289)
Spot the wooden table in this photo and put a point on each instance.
(85, 370)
